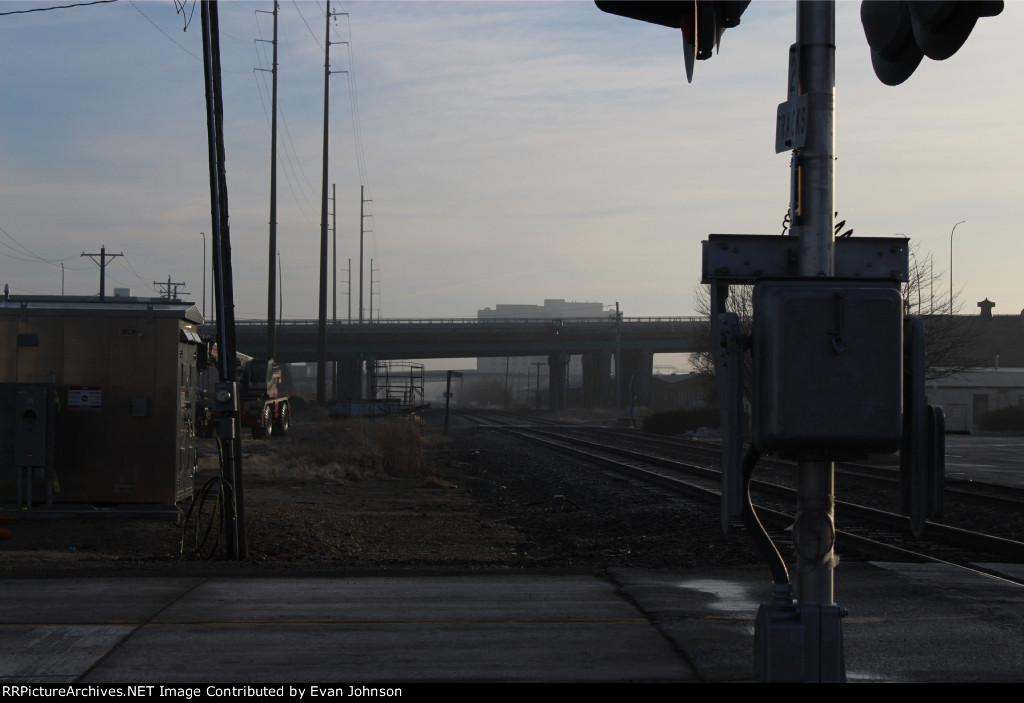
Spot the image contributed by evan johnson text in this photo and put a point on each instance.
(291, 691)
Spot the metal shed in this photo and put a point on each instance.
(122, 377)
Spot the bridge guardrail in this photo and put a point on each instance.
(474, 321)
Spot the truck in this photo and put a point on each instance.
(263, 409)
(261, 406)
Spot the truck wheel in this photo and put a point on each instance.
(268, 421)
(283, 420)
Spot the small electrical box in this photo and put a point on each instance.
(33, 424)
(828, 367)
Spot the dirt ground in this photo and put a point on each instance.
(345, 497)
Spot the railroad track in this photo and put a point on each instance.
(864, 530)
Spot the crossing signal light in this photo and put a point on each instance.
(901, 33)
(701, 22)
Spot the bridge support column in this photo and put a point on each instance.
(370, 376)
(597, 380)
(349, 378)
(558, 373)
(637, 377)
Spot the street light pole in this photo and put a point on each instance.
(951, 265)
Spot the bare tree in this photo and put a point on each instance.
(741, 302)
(949, 335)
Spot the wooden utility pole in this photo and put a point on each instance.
(170, 289)
(103, 268)
(226, 391)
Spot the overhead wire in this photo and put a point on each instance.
(311, 32)
(56, 7)
(123, 261)
(34, 256)
(295, 174)
(285, 153)
(166, 35)
(357, 136)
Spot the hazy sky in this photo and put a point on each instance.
(513, 151)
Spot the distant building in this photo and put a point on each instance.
(995, 378)
(687, 391)
(966, 397)
(552, 309)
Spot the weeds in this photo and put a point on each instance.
(324, 449)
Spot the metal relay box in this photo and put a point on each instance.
(125, 373)
(828, 367)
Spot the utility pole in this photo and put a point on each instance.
(321, 384)
(225, 394)
(321, 372)
(334, 279)
(272, 256)
(170, 289)
(372, 293)
(334, 249)
(362, 232)
(103, 268)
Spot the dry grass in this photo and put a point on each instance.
(320, 448)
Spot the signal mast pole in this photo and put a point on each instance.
(813, 197)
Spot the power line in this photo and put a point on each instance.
(311, 32)
(25, 250)
(285, 154)
(160, 29)
(56, 7)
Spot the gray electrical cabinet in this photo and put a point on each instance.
(33, 424)
(827, 367)
(28, 420)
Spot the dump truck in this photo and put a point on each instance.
(261, 406)
(263, 409)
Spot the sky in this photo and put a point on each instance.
(511, 152)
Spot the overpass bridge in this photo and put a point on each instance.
(633, 341)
